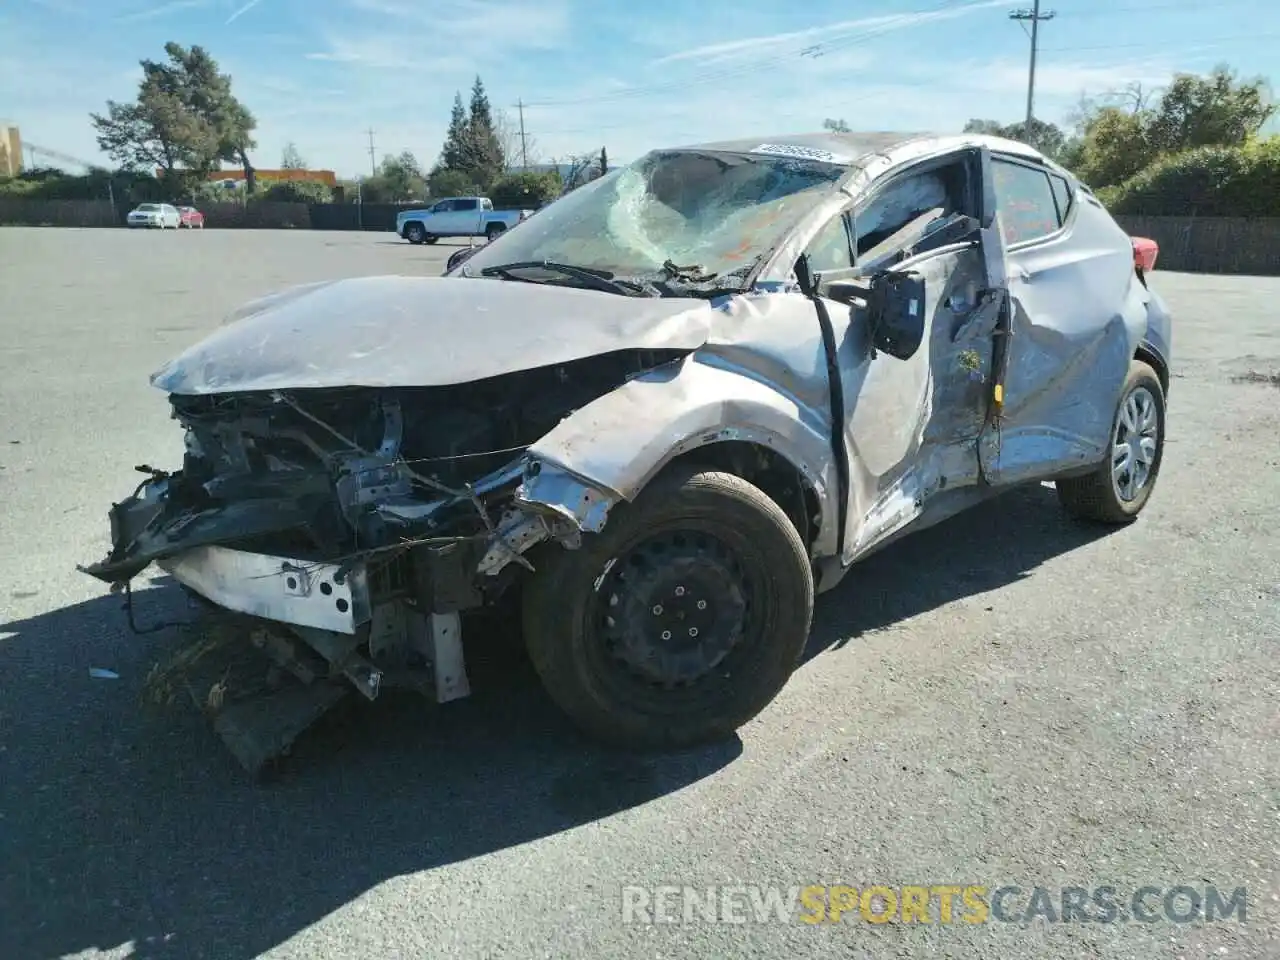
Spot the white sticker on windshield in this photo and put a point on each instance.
(801, 153)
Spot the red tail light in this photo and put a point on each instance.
(1145, 252)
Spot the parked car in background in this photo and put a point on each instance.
(192, 218)
(457, 217)
(160, 215)
(660, 417)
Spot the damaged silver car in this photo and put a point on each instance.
(661, 415)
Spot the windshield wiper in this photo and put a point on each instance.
(692, 274)
(590, 277)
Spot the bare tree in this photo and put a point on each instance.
(583, 168)
(507, 129)
(291, 159)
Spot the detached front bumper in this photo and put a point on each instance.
(188, 544)
(326, 596)
(217, 552)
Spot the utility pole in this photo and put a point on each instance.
(1035, 16)
(524, 146)
(373, 164)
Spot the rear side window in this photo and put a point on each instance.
(1061, 193)
(465, 204)
(1028, 209)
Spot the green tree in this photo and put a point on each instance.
(446, 182)
(157, 131)
(1048, 138)
(1127, 131)
(291, 159)
(193, 76)
(1214, 110)
(473, 144)
(836, 126)
(295, 191)
(453, 155)
(526, 190)
(399, 178)
(1115, 147)
(482, 156)
(1213, 181)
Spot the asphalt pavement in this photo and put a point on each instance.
(1008, 699)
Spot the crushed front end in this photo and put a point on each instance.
(349, 530)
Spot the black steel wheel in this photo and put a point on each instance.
(680, 621)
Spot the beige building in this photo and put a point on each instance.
(10, 150)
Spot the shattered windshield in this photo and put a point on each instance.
(674, 214)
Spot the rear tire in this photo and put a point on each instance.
(680, 621)
(1120, 487)
(493, 231)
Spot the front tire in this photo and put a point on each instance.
(1121, 486)
(679, 622)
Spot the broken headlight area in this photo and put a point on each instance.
(366, 519)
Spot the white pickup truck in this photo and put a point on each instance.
(456, 217)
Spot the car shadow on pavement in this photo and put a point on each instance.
(125, 824)
(987, 547)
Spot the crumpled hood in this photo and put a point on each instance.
(423, 331)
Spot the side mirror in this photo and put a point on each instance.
(456, 258)
(896, 313)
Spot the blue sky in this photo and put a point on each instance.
(628, 75)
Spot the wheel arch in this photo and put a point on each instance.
(765, 468)
(692, 412)
(1150, 356)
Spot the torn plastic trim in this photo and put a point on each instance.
(552, 489)
(551, 503)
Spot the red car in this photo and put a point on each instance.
(192, 218)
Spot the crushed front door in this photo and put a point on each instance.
(912, 426)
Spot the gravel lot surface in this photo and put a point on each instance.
(1009, 698)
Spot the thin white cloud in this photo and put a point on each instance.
(441, 40)
(240, 12)
(151, 13)
(1062, 79)
(817, 36)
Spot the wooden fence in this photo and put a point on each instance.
(1212, 244)
(1231, 245)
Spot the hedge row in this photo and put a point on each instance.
(1206, 182)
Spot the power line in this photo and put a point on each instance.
(1200, 42)
(1036, 18)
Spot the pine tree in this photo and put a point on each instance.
(481, 113)
(483, 158)
(454, 155)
